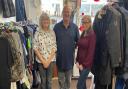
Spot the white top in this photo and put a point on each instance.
(45, 41)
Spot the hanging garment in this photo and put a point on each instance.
(13, 85)
(112, 35)
(124, 29)
(119, 83)
(33, 10)
(101, 59)
(108, 46)
(126, 4)
(20, 10)
(18, 68)
(6, 61)
(7, 7)
(126, 84)
(125, 15)
(0, 7)
(100, 86)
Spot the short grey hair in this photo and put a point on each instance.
(67, 6)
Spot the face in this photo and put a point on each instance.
(45, 24)
(66, 14)
(86, 24)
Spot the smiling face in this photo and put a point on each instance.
(86, 22)
(66, 13)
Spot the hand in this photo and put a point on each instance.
(46, 64)
(53, 49)
(77, 64)
(81, 67)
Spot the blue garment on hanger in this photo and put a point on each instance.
(119, 83)
(20, 10)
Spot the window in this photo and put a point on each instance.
(54, 9)
(91, 7)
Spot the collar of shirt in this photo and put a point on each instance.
(62, 23)
(42, 31)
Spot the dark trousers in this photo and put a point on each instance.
(46, 76)
(82, 79)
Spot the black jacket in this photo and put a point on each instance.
(125, 15)
(108, 47)
(101, 66)
(126, 4)
(113, 36)
(5, 64)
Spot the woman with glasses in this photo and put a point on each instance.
(86, 48)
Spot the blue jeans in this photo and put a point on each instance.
(82, 79)
(64, 78)
(46, 76)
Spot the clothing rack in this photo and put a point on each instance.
(114, 12)
(17, 31)
(27, 22)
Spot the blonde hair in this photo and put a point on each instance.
(87, 18)
(44, 16)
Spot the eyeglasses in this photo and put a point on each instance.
(85, 22)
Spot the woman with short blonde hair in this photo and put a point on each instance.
(44, 45)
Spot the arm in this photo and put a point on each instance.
(51, 56)
(54, 49)
(77, 34)
(54, 29)
(41, 58)
(91, 50)
(36, 50)
(76, 39)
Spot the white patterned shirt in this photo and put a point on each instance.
(44, 41)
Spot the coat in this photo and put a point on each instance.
(6, 61)
(108, 51)
(7, 7)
